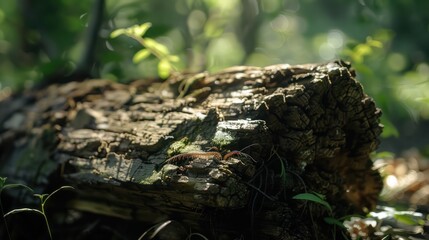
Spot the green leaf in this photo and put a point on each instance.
(164, 68)
(118, 32)
(2, 181)
(41, 196)
(141, 55)
(363, 50)
(136, 30)
(313, 197)
(173, 58)
(374, 43)
(408, 219)
(19, 210)
(59, 189)
(319, 195)
(156, 46)
(141, 30)
(14, 185)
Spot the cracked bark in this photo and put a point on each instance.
(289, 129)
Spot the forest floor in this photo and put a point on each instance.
(403, 211)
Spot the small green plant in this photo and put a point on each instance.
(151, 47)
(321, 199)
(43, 200)
(3, 186)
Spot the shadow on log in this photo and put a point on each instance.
(222, 154)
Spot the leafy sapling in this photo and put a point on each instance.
(43, 200)
(3, 186)
(151, 47)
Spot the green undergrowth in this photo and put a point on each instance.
(43, 201)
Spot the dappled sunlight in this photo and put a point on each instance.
(403, 210)
(386, 43)
(224, 52)
(406, 178)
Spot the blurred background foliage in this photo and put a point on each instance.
(387, 42)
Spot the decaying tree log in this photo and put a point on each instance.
(223, 154)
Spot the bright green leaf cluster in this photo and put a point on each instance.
(136, 30)
(361, 50)
(151, 47)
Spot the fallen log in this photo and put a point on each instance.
(223, 154)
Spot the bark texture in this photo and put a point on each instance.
(220, 153)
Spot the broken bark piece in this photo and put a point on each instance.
(143, 147)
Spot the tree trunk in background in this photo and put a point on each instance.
(222, 154)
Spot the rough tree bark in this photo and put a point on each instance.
(222, 154)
